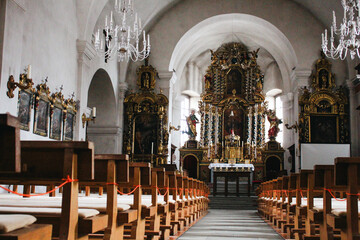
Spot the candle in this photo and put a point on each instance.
(325, 34)
(148, 40)
(106, 21)
(144, 36)
(152, 147)
(29, 72)
(334, 19)
(332, 32)
(94, 112)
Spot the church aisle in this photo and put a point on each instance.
(230, 224)
(231, 218)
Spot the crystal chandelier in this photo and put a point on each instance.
(348, 30)
(121, 40)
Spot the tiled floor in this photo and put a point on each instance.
(230, 224)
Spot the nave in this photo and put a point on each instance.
(231, 218)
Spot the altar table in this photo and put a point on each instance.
(231, 171)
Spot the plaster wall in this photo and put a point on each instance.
(44, 33)
(41, 33)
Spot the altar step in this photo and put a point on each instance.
(231, 188)
(232, 202)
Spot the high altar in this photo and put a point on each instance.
(233, 113)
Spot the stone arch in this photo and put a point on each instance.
(104, 131)
(263, 32)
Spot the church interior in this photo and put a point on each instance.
(179, 119)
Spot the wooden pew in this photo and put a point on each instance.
(11, 163)
(346, 178)
(44, 162)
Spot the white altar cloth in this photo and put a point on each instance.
(227, 165)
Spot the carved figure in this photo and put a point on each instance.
(274, 124)
(191, 122)
(207, 81)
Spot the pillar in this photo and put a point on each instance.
(299, 79)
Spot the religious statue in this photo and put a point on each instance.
(207, 81)
(145, 80)
(274, 124)
(191, 122)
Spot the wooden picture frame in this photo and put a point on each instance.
(69, 126)
(42, 109)
(69, 119)
(41, 119)
(25, 104)
(56, 122)
(56, 116)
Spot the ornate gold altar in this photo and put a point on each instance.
(233, 110)
(146, 134)
(324, 115)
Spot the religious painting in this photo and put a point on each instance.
(233, 122)
(69, 126)
(56, 123)
(146, 130)
(323, 129)
(145, 80)
(41, 117)
(323, 79)
(233, 81)
(24, 109)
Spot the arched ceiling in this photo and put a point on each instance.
(152, 10)
(89, 9)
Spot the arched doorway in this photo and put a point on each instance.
(190, 164)
(272, 167)
(105, 129)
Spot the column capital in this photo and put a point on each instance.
(300, 78)
(86, 51)
(123, 87)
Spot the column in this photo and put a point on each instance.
(86, 53)
(166, 83)
(299, 79)
(123, 87)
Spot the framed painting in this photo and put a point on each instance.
(323, 129)
(233, 121)
(24, 109)
(145, 138)
(56, 121)
(69, 126)
(41, 117)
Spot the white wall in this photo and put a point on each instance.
(41, 33)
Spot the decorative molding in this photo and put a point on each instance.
(85, 50)
(165, 75)
(20, 4)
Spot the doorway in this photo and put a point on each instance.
(272, 167)
(190, 165)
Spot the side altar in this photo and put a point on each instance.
(145, 127)
(233, 113)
